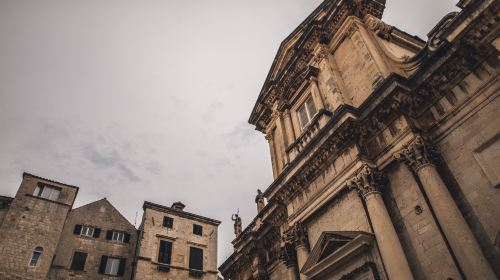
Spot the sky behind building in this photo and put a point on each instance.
(149, 100)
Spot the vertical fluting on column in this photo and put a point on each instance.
(369, 182)
(420, 156)
(297, 236)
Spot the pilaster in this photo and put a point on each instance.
(420, 155)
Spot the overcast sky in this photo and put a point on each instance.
(149, 100)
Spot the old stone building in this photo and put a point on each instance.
(96, 241)
(385, 150)
(42, 237)
(175, 244)
(32, 227)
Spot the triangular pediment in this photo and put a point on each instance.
(334, 247)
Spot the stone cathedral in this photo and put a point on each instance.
(385, 150)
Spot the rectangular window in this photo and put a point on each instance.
(168, 222)
(47, 192)
(113, 266)
(118, 236)
(198, 230)
(87, 231)
(306, 112)
(165, 252)
(195, 258)
(78, 263)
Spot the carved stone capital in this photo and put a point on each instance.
(417, 154)
(367, 181)
(297, 236)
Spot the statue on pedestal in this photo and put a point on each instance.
(259, 199)
(237, 224)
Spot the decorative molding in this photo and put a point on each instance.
(297, 236)
(367, 181)
(417, 154)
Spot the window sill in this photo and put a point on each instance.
(48, 200)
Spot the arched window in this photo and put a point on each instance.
(36, 256)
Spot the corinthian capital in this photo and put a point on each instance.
(297, 236)
(417, 153)
(367, 181)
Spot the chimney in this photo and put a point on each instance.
(179, 206)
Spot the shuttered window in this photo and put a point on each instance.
(195, 258)
(113, 266)
(168, 222)
(87, 231)
(117, 236)
(78, 262)
(165, 252)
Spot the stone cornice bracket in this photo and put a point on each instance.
(367, 181)
(380, 28)
(417, 154)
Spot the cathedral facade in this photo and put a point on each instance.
(385, 150)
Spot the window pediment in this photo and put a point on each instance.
(334, 248)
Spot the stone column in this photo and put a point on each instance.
(297, 236)
(369, 182)
(289, 258)
(419, 156)
(289, 128)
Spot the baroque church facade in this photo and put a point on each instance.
(385, 150)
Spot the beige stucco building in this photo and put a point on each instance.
(385, 150)
(175, 244)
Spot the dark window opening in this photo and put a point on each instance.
(165, 252)
(198, 230)
(78, 263)
(168, 222)
(195, 258)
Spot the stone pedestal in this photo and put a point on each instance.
(368, 182)
(460, 237)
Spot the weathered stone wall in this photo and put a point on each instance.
(4, 207)
(32, 222)
(470, 147)
(100, 214)
(344, 213)
(182, 237)
(417, 229)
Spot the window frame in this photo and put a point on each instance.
(308, 101)
(191, 250)
(114, 260)
(195, 231)
(71, 267)
(87, 229)
(159, 258)
(169, 224)
(118, 233)
(35, 256)
(47, 192)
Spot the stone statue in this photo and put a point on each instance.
(237, 224)
(259, 199)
